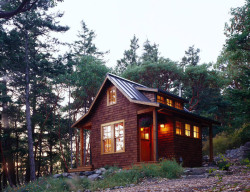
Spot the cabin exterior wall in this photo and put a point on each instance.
(122, 110)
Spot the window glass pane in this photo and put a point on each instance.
(112, 96)
(169, 102)
(178, 128)
(196, 132)
(119, 137)
(107, 132)
(107, 145)
(187, 129)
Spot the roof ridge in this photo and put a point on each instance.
(110, 74)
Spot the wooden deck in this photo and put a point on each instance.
(81, 168)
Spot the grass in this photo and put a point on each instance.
(113, 177)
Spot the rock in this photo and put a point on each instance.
(81, 174)
(48, 186)
(79, 190)
(132, 185)
(98, 171)
(57, 175)
(72, 174)
(87, 173)
(93, 177)
(70, 177)
(100, 177)
(103, 169)
(65, 174)
(82, 177)
(116, 187)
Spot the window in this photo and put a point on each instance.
(187, 129)
(145, 133)
(169, 102)
(111, 96)
(178, 105)
(160, 99)
(112, 137)
(178, 127)
(196, 132)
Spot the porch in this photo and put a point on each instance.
(165, 134)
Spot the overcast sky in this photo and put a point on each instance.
(173, 24)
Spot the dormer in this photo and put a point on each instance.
(166, 99)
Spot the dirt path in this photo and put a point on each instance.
(238, 181)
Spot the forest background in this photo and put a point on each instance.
(37, 112)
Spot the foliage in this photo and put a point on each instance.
(191, 57)
(224, 140)
(130, 57)
(223, 163)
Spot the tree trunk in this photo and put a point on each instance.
(51, 159)
(28, 119)
(17, 160)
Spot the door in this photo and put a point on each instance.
(145, 135)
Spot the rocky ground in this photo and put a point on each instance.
(199, 179)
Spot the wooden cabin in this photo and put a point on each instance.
(129, 123)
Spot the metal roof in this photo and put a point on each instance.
(129, 87)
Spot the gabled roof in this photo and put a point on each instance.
(127, 88)
(132, 91)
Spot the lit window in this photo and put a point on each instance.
(119, 137)
(169, 102)
(145, 133)
(178, 105)
(187, 129)
(113, 137)
(178, 128)
(111, 96)
(196, 132)
(160, 99)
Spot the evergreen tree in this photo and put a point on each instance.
(130, 57)
(151, 52)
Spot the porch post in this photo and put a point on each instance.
(211, 153)
(155, 136)
(81, 145)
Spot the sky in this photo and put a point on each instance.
(172, 24)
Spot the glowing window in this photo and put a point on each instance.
(145, 133)
(187, 129)
(107, 139)
(111, 96)
(196, 132)
(169, 102)
(160, 99)
(178, 127)
(178, 105)
(113, 137)
(119, 137)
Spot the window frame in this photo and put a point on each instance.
(197, 132)
(169, 102)
(178, 105)
(178, 128)
(113, 88)
(187, 130)
(112, 124)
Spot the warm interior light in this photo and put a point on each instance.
(142, 129)
(146, 136)
(161, 125)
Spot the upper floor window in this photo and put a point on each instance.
(169, 102)
(196, 132)
(111, 96)
(178, 105)
(112, 137)
(160, 99)
(187, 129)
(178, 127)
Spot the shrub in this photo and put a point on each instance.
(223, 163)
(170, 169)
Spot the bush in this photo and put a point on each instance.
(224, 141)
(223, 163)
